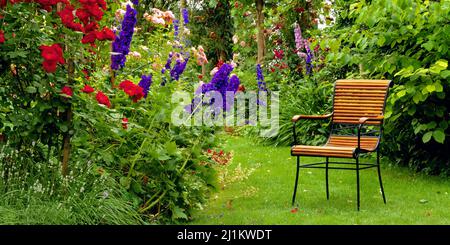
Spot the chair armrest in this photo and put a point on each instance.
(363, 120)
(312, 117)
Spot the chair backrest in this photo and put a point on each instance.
(354, 99)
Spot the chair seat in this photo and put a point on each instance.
(337, 146)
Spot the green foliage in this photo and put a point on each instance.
(407, 42)
(412, 198)
(212, 27)
(152, 167)
(307, 97)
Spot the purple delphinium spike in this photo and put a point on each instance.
(145, 83)
(309, 57)
(178, 69)
(175, 27)
(260, 78)
(168, 63)
(121, 45)
(220, 83)
(185, 16)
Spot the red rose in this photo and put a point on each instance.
(241, 88)
(83, 15)
(220, 63)
(103, 99)
(136, 92)
(90, 37)
(278, 54)
(86, 74)
(52, 56)
(52, 53)
(49, 66)
(102, 4)
(93, 26)
(87, 89)
(67, 91)
(2, 36)
(299, 10)
(125, 123)
(106, 34)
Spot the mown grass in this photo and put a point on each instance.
(412, 198)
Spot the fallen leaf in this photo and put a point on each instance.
(230, 204)
(423, 201)
(294, 210)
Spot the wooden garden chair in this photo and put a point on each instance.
(356, 128)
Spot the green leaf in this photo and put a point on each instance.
(445, 74)
(438, 86)
(178, 213)
(426, 137)
(171, 147)
(212, 3)
(439, 66)
(428, 45)
(163, 157)
(125, 182)
(406, 72)
(381, 40)
(136, 187)
(431, 125)
(439, 136)
(64, 128)
(401, 93)
(31, 89)
(431, 88)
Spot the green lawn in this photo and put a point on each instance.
(264, 198)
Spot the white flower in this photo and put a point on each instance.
(213, 71)
(235, 56)
(186, 31)
(235, 39)
(124, 5)
(135, 54)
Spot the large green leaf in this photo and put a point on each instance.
(426, 137)
(439, 135)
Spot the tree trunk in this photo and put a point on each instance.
(68, 119)
(260, 26)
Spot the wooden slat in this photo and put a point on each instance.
(358, 110)
(353, 97)
(382, 92)
(360, 102)
(358, 107)
(367, 143)
(363, 82)
(358, 95)
(354, 122)
(361, 87)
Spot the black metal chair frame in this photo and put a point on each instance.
(358, 166)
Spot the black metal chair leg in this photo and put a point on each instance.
(296, 181)
(326, 179)
(379, 176)
(357, 182)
